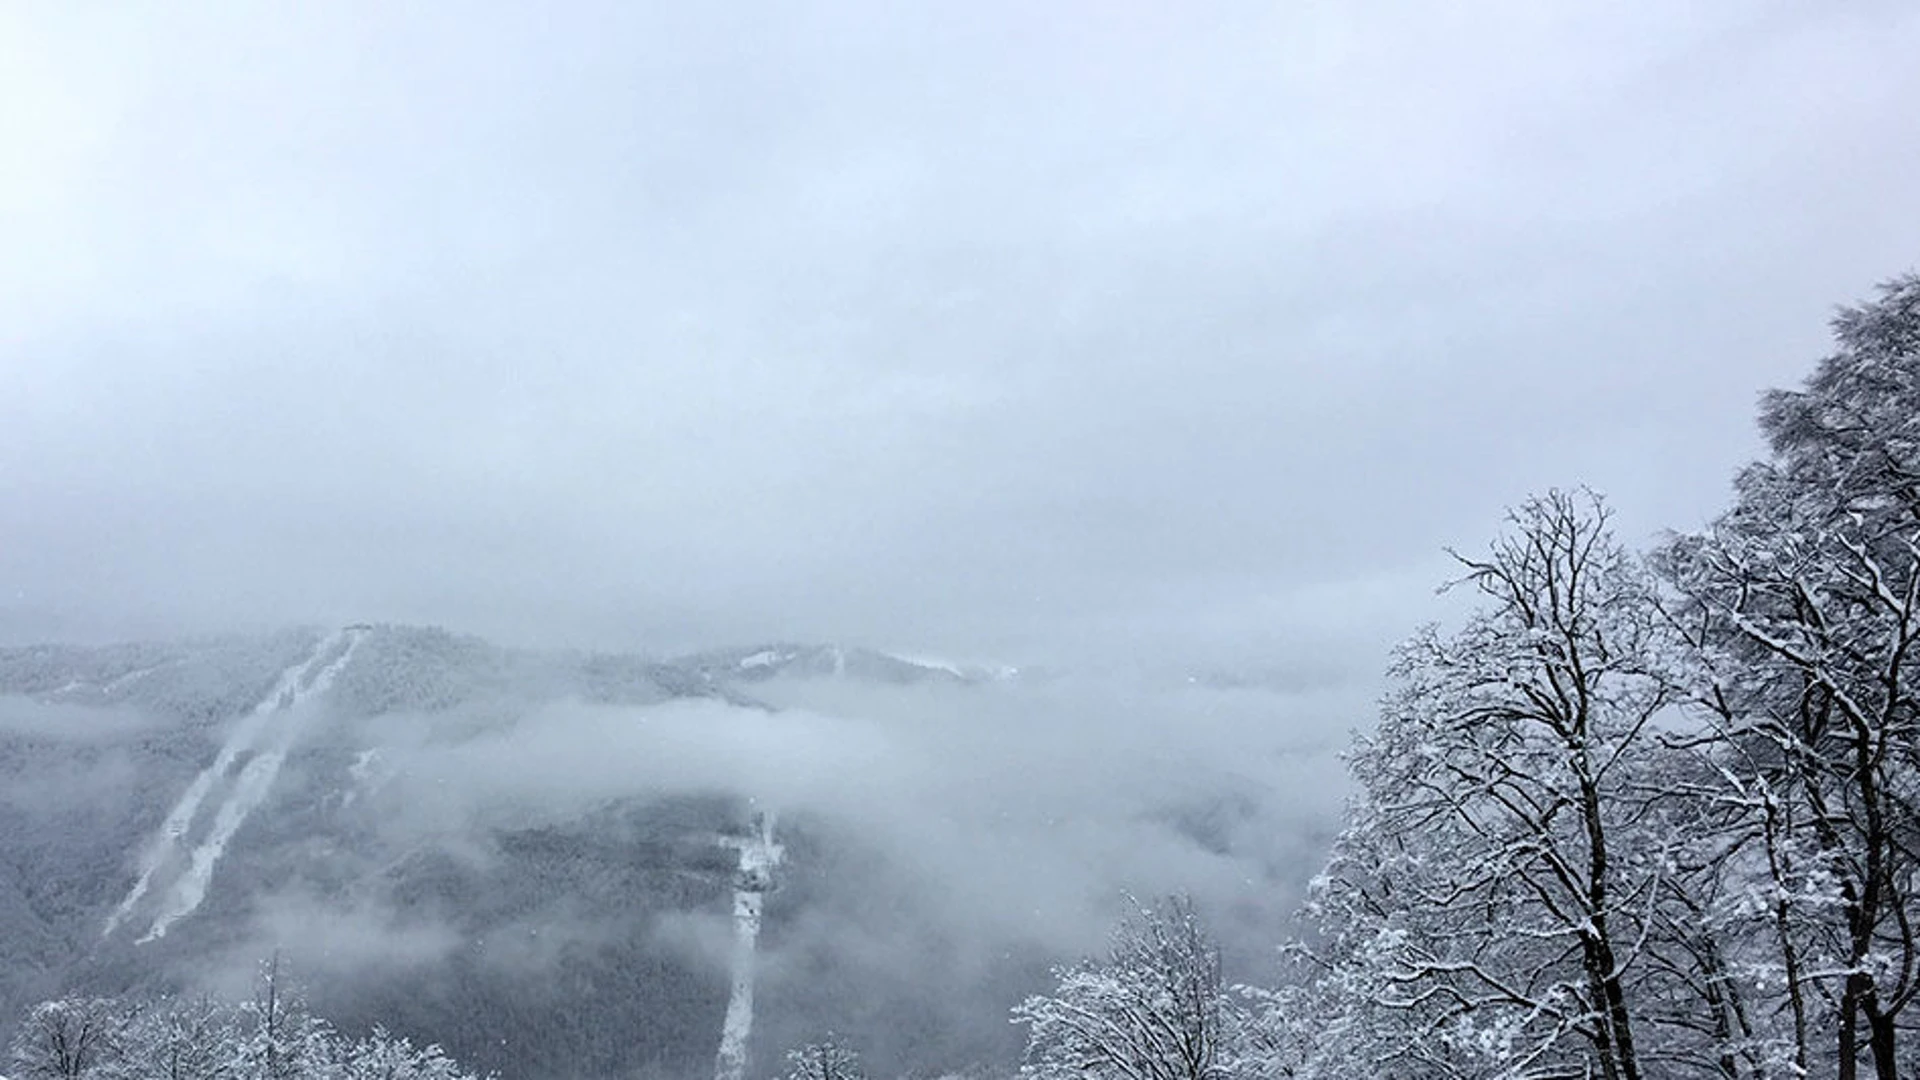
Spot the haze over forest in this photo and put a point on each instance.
(512, 508)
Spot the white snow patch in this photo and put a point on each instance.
(265, 745)
(130, 677)
(933, 664)
(760, 855)
(363, 774)
(255, 780)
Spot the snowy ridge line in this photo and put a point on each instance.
(120, 681)
(296, 687)
(760, 855)
(110, 687)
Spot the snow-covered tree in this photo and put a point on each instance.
(182, 1039)
(280, 1038)
(1606, 830)
(69, 1039)
(1153, 1009)
(828, 1059)
(1805, 601)
(384, 1056)
(1511, 858)
(271, 1035)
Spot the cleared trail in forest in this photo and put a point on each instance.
(760, 856)
(178, 865)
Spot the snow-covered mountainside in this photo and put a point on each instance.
(177, 874)
(760, 663)
(537, 859)
(171, 810)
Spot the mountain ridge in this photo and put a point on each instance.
(530, 856)
(254, 802)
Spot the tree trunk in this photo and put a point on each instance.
(1603, 1046)
(1602, 966)
(1616, 1049)
(1849, 1036)
(1881, 1037)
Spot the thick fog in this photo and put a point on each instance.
(977, 831)
(1071, 333)
(92, 765)
(1021, 825)
(1157, 351)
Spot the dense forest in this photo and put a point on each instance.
(1642, 814)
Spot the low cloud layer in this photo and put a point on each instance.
(1012, 815)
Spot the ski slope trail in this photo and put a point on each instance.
(760, 856)
(176, 869)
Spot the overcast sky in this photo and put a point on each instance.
(1004, 331)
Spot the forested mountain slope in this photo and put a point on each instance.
(524, 856)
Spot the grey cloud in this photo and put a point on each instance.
(1025, 334)
(340, 939)
(990, 806)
